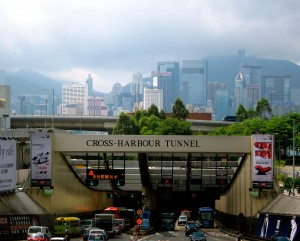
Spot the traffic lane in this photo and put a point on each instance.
(177, 235)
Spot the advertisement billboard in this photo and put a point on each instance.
(40, 159)
(263, 154)
(7, 165)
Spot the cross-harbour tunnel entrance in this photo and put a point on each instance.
(91, 172)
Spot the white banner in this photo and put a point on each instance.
(7, 165)
(263, 146)
(40, 159)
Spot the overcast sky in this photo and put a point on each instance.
(112, 39)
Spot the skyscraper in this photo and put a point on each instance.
(247, 90)
(277, 90)
(153, 97)
(194, 82)
(137, 89)
(168, 82)
(73, 98)
(89, 82)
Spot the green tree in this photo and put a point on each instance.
(126, 125)
(263, 108)
(179, 110)
(172, 126)
(241, 113)
(150, 125)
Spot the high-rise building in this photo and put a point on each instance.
(252, 78)
(222, 105)
(168, 81)
(137, 89)
(212, 89)
(89, 82)
(277, 90)
(73, 98)
(96, 106)
(153, 97)
(194, 82)
(247, 89)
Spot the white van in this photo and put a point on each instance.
(38, 229)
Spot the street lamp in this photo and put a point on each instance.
(271, 94)
(293, 187)
(52, 106)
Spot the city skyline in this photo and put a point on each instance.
(112, 40)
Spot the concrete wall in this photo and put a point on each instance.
(70, 195)
(238, 199)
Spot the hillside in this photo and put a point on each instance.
(220, 69)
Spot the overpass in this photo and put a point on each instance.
(93, 123)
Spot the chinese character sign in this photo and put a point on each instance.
(7, 165)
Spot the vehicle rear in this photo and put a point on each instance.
(186, 213)
(119, 225)
(38, 229)
(96, 237)
(106, 222)
(87, 223)
(168, 221)
(99, 231)
(38, 237)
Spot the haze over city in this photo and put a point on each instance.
(112, 39)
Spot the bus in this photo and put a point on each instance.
(114, 210)
(206, 217)
(63, 223)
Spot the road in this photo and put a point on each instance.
(177, 235)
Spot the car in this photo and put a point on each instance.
(197, 236)
(190, 227)
(182, 219)
(119, 225)
(38, 237)
(87, 223)
(86, 232)
(99, 231)
(58, 239)
(96, 237)
(280, 238)
(38, 229)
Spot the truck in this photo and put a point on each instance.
(168, 221)
(106, 221)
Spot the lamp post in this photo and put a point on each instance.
(293, 187)
(52, 107)
(271, 94)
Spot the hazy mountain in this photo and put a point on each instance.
(226, 68)
(30, 82)
(220, 69)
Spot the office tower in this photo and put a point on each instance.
(194, 82)
(73, 98)
(153, 96)
(168, 81)
(277, 90)
(222, 105)
(247, 89)
(137, 89)
(212, 89)
(238, 91)
(96, 106)
(252, 92)
(89, 82)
